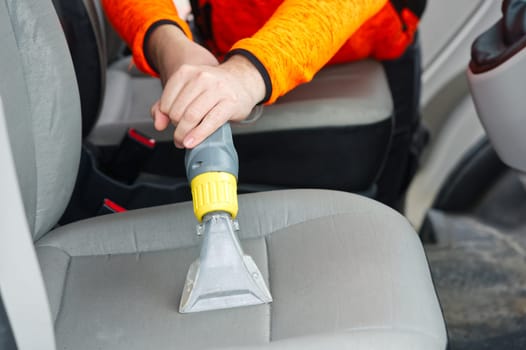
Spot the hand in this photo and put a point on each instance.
(199, 95)
(198, 99)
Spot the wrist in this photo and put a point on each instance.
(159, 47)
(249, 76)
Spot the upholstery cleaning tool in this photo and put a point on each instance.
(223, 276)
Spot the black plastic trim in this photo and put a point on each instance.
(409, 137)
(502, 41)
(7, 340)
(94, 184)
(347, 158)
(470, 179)
(343, 158)
(488, 52)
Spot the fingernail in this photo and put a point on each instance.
(189, 142)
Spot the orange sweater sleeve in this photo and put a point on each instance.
(302, 36)
(133, 19)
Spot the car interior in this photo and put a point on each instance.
(392, 217)
(355, 101)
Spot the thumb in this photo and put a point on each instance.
(160, 120)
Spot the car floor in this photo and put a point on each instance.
(479, 268)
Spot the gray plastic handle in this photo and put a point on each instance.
(216, 153)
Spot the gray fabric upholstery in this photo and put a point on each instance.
(343, 95)
(42, 107)
(345, 272)
(18, 113)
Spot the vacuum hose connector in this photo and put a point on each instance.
(212, 169)
(214, 192)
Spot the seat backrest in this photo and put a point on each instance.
(41, 102)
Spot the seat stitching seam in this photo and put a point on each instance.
(399, 329)
(270, 285)
(272, 232)
(63, 289)
(330, 216)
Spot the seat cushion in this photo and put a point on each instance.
(355, 94)
(344, 272)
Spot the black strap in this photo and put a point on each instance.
(195, 7)
(416, 6)
(202, 19)
(7, 341)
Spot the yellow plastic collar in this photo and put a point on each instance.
(214, 191)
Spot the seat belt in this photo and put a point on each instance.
(21, 283)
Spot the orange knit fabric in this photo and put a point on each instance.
(293, 39)
(132, 18)
(302, 36)
(381, 37)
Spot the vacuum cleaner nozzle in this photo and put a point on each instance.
(223, 276)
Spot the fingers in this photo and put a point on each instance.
(197, 100)
(173, 87)
(196, 112)
(216, 117)
(160, 120)
(187, 98)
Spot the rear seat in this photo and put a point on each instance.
(341, 121)
(333, 132)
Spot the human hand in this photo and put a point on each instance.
(199, 95)
(198, 99)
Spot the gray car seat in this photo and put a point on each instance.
(377, 155)
(345, 271)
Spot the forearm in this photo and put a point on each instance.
(302, 36)
(168, 48)
(134, 20)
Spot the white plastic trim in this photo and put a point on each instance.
(456, 41)
(453, 57)
(500, 99)
(21, 284)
